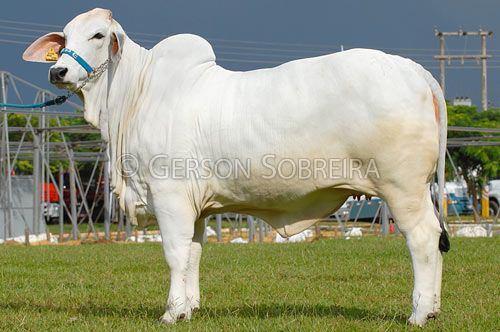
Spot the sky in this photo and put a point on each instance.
(255, 34)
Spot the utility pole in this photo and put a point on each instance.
(484, 78)
(442, 75)
(442, 58)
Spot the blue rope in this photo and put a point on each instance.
(61, 99)
(39, 105)
(57, 101)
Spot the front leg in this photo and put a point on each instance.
(193, 273)
(176, 220)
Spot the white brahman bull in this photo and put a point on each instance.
(174, 102)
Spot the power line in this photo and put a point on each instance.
(22, 29)
(241, 41)
(272, 55)
(165, 35)
(256, 61)
(15, 34)
(31, 23)
(320, 47)
(248, 48)
(326, 47)
(285, 52)
(264, 45)
(268, 49)
(14, 42)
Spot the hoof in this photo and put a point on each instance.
(434, 315)
(417, 321)
(167, 320)
(422, 319)
(171, 318)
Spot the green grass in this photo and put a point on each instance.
(326, 285)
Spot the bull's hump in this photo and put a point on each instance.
(188, 47)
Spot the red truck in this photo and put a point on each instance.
(50, 200)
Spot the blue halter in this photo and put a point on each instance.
(61, 99)
(88, 68)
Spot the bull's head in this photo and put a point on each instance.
(94, 36)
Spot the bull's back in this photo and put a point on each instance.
(329, 106)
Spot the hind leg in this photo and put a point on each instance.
(437, 285)
(420, 226)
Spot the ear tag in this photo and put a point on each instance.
(51, 55)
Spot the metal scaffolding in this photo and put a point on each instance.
(34, 143)
(34, 139)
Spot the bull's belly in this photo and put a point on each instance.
(289, 216)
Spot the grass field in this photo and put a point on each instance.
(325, 285)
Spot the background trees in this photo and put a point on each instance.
(477, 164)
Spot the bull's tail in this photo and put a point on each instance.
(440, 103)
(444, 241)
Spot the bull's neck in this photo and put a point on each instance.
(124, 88)
(125, 82)
(117, 90)
(127, 77)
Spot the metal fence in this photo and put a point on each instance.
(22, 198)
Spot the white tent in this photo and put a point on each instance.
(21, 210)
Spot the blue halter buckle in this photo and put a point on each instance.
(88, 68)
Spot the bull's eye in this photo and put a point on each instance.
(98, 36)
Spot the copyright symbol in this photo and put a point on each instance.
(127, 164)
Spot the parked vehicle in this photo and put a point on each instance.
(459, 201)
(362, 209)
(50, 200)
(494, 196)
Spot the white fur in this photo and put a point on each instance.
(174, 99)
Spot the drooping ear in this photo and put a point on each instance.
(45, 48)
(117, 40)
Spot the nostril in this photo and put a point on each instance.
(62, 72)
(57, 74)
